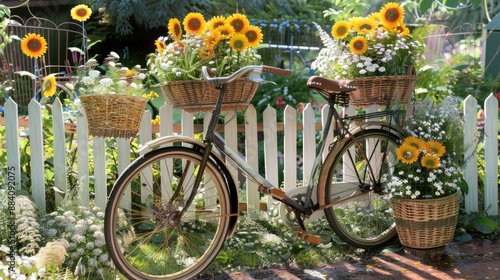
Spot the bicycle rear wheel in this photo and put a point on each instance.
(351, 178)
(146, 235)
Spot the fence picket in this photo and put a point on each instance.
(12, 141)
(270, 149)
(100, 187)
(308, 142)
(470, 170)
(290, 148)
(491, 157)
(252, 157)
(37, 155)
(82, 145)
(60, 176)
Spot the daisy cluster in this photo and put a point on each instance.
(83, 230)
(222, 44)
(378, 45)
(430, 158)
(111, 78)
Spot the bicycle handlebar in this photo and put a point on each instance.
(210, 78)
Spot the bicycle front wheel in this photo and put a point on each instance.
(150, 230)
(351, 184)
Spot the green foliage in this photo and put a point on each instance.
(5, 37)
(478, 224)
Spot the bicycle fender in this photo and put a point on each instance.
(233, 192)
(379, 125)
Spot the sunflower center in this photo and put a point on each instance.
(34, 45)
(177, 29)
(194, 24)
(237, 24)
(81, 12)
(239, 44)
(407, 155)
(217, 24)
(365, 27)
(392, 15)
(251, 35)
(342, 30)
(358, 45)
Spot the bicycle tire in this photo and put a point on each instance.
(362, 216)
(145, 236)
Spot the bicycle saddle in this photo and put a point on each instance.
(331, 85)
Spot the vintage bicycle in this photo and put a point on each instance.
(172, 208)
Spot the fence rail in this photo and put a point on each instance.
(269, 128)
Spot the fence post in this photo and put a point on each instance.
(290, 148)
(60, 177)
(308, 142)
(270, 149)
(252, 158)
(37, 158)
(82, 144)
(470, 170)
(100, 187)
(12, 141)
(491, 155)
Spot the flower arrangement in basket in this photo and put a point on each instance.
(426, 182)
(224, 44)
(377, 52)
(113, 97)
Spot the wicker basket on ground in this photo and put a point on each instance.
(382, 90)
(113, 115)
(196, 95)
(426, 223)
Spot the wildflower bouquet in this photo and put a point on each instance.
(111, 78)
(377, 45)
(222, 44)
(430, 158)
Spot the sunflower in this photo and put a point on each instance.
(407, 154)
(160, 46)
(364, 25)
(400, 29)
(33, 45)
(435, 148)
(213, 38)
(226, 31)
(81, 12)
(174, 28)
(238, 42)
(216, 21)
(416, 142)
(358, 45)
(194, 23)
(238, 21)
(49, 85)
(253, 34)
(207, 52)
(341, 29)
(430, 161)
(391, 15)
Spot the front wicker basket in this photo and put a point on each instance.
(426, 223)
(113, 115)
(196, 95)
(382, 90)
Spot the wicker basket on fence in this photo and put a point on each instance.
(196, 95)
(426, 223)
(381, 90)
(113, 115)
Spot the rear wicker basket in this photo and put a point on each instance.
(113, 115)
(382, 90)
(426, 223)
(196, 95)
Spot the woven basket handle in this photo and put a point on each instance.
(411, 71)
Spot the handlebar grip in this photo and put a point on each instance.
(276, 70)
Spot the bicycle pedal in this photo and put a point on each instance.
(314, 239)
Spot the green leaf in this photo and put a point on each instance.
(26, 73)
(452, 3)
(485, 225)
(463, 238)
(476, 2)
(424, 5)
(393, 248)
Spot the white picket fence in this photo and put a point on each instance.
(269, 128)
